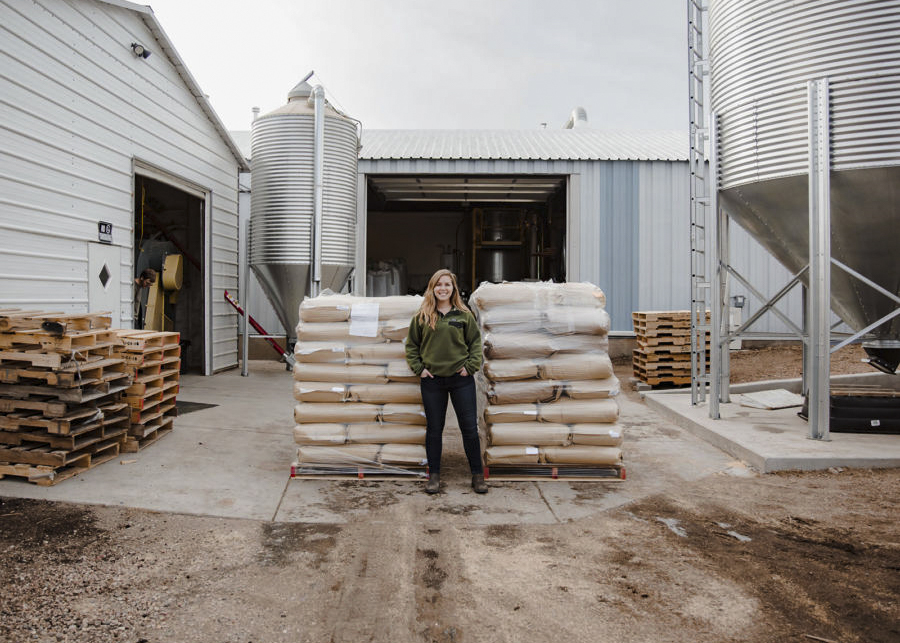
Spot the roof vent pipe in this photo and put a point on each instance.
(255, 111)
(577, 119)
(317, 99)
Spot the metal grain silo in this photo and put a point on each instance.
(762, 55)
(288, 192)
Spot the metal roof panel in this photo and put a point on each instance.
(565, 144)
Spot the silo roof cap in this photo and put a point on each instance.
(301, 90)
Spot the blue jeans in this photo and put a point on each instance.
(461, 391)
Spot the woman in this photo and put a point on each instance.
(444, 349)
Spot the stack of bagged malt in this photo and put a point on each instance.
(548, 378)
(358, 403)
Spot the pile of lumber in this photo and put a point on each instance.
(153, 359)
(61, 389)
(359, 407)
(548, 387)
(663, 353)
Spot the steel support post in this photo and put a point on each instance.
(819, 362)
(245, 297)
(718, 250)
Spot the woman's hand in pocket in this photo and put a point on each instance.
(463, 372)
(426, 373)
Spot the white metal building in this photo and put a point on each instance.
(93, 132)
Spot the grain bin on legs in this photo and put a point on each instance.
(763, 54)
(284, 201)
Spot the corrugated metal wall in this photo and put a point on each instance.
(77, 109)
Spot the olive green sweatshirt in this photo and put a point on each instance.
(453, 343)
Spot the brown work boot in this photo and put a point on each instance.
(478, 483)
(434, 483)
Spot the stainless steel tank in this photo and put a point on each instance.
(282, 202)
(762, 54)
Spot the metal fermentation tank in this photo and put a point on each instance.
(762, 55)
(282, 201)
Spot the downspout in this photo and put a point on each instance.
(317, 98)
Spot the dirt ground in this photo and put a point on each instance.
(785, 362)
(786, 557)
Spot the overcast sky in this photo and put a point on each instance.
(442, 64)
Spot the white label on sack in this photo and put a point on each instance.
(422, 413)
(423, 461)
(306, 390)
(342, 307)
(876, 422)
(530, 412)
(364, 320)
(532, 451)
(615, 435)
(337, 349)
(337, 389)
(613, 392)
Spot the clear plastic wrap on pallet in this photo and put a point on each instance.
(358, 405)
(548, 385)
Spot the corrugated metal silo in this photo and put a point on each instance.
(762, 53)
(282, 203)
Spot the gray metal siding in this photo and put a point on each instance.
(77, 108)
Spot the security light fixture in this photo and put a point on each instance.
(140, 51)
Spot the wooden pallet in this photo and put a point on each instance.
(78, 395)
(355, 472)
(46, 476)
(71, 423)
(140, 437)
(12, 319)
(141, 340)
(547, 472)
(38, 453)
(86, 373)
(649, 360)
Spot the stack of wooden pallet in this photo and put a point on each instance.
(663, 353)
(153, 359)
(61, 387)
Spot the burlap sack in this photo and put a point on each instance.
(517, 345)
(360, 374)
(404, 413)
(579, 343)
(511, 454)
(499, 370)
(321, 351)
(379, 354)
(384, 433)
(351, 454)
(320, 391)
(577, 294)
(320, 434)
(594, 366)
(529, 433)
(579, 411)
(579, 454)
(395, 392)
(508, 319)
(496, 414)
(332, 332)
(592, 389)
(488, 296)
(571, 320)
(395, 329)
(327, 308)
(341, 413)
(411, 455)
(524, 391)
(598, 435)
(399, 371)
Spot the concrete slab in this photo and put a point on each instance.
(774, 440)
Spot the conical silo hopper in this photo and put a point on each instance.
(763, 53)
(282, 203)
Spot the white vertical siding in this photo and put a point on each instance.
(77, 109)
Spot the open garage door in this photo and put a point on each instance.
(484, 228)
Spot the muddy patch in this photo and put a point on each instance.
(429, 598)
(350, 495)
(282, 541)
(503, 535)
(819, 579)
(62, 532)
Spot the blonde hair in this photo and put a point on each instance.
(428, 310)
